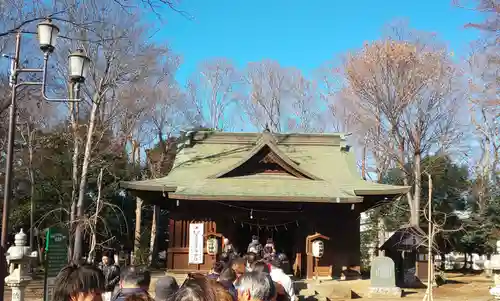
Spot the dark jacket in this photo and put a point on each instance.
(230, 288)
(111, 276)
(123, 293)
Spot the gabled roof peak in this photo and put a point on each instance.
(267, 143)
(267, 138)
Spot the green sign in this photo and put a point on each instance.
(56, 251)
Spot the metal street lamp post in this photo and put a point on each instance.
(78, 66)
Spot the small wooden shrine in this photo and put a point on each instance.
(407, 247)
(284, 186)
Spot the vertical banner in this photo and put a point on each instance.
(196, 243)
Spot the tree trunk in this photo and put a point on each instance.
(406, 182)
(93, 242)
(74, 161)
(154, 232)
(78, 251)
(415, 216)
(31, 174)
(137, 235)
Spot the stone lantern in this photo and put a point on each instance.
(495, 268)
(19, 258)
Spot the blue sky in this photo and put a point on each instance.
(303, 34)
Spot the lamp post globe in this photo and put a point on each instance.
(78, 66)
(47, 35)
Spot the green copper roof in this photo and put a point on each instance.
(330, 170)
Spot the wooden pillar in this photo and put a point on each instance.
(153, 246)
(137, 234)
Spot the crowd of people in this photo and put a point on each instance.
(256, 276)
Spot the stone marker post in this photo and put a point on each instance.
(495, 268)
(383, 279)
(19, 258)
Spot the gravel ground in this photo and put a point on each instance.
(461, 288)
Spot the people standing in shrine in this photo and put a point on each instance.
(280, 277)
(251, 258)
(268, 254)
(228, 247)
(270, 243)
(217, 268)
(78, 282)
(111, 275)
(134, 281)
(227, 278)
(255, 246)
(165, 288)
(239, 266)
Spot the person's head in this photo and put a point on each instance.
(106, 258)
(226, 241)
(260, 267)
(135, 277)
(224, 257)
(238, 265)
(228, 275)
(276, 263)
(251, 258)
(217, 267)
(139, 297)
(255, 287)
(165, 287)
(270, 241)
(268, 249)
(196, 288)
(282, 257)
(221, 293)
(255, 238)
(79, 283)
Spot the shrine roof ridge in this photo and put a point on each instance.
(251, 138)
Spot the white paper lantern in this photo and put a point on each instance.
(212, 246)
(318, 248)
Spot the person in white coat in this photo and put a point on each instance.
(280, 277)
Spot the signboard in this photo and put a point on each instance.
(56, 257)
(56, 251)
(196, 244)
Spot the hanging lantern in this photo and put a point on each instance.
(318, 248)
(212, 246)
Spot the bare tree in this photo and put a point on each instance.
(34, 117)
(484, 107)
(267, 85)
(118, 62)
(491, 10)
(166, 115)
(214, 91)
(306, 114)
(16, 14)
(403, 92)
(281, 98)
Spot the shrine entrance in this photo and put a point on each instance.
(284, 238)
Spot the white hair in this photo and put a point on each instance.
(258, 284)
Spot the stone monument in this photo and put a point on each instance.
(383, 279)
(19, 258)
(495, 268)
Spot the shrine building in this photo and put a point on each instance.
(293, 188)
